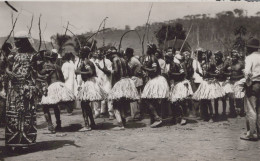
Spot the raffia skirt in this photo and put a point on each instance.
(227, 87)
(180, 91)
(124, 89)
(92, 91)
(209, 89)
(238, 89)
(57, 92)
(156, 88)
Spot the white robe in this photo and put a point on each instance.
(68, 71)
(104, 80)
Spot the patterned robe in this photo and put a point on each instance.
(20, 112)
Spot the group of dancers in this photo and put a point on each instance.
(162, 83)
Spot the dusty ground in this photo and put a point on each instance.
(195, 141)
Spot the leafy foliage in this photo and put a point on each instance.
(60, 40)
(169, 32)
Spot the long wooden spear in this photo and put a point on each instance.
(166, 36)
(146, 28)
(10, 33)
(75, 37)
(40, 34)
(30, 28)
(186, 38)
(67, 28)
(97, 32)
(12, 21)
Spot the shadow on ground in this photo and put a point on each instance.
(71, 128)
(40, 146)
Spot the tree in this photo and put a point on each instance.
(240, 42)
(169, 32)
(258, 13)
(127, 27)
(239, 12)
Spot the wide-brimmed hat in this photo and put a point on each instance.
(253, 43)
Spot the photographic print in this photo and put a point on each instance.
(130, 80)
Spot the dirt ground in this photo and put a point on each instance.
(197, 140)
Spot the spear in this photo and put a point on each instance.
(146, 28)
(30, 28)
(186, 38)
(40, 34)
(98, 31)
(10, 33)
(175, 39)
(166, 36)
(148, 31)
(67, 27)
(12, 21)
(74, 36)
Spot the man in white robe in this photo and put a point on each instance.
(105, 81)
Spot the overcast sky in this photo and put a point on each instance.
(86, 16)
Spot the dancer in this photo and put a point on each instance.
(180, 89)
(136, 71)
(218, 68)
(57, 91)
(157, 88)
(20, 130)
(89, 90)
(123, 90)
(209, 88)
(235, 72)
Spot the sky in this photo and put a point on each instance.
(86, 16)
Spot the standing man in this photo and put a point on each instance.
(197, 78)
(235, 72)
(123, 90)
(68, 71)
(57, 91)
(220, 77)
(105, 80)
(156, 89)
(252, 87)
(89, 90)
(135, 67)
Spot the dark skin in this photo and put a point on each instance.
(151, 55)
(236, 68)
(86, 60)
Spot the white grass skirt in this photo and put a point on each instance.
(227, 87)
(137, 81)
(57, 92)
(124, 88)
(180, 91)
(156, 88)
(238, 88)
(209, 89)
(91, 91)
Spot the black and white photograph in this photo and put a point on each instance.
(119, 80)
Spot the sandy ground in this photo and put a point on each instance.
(197, 140)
